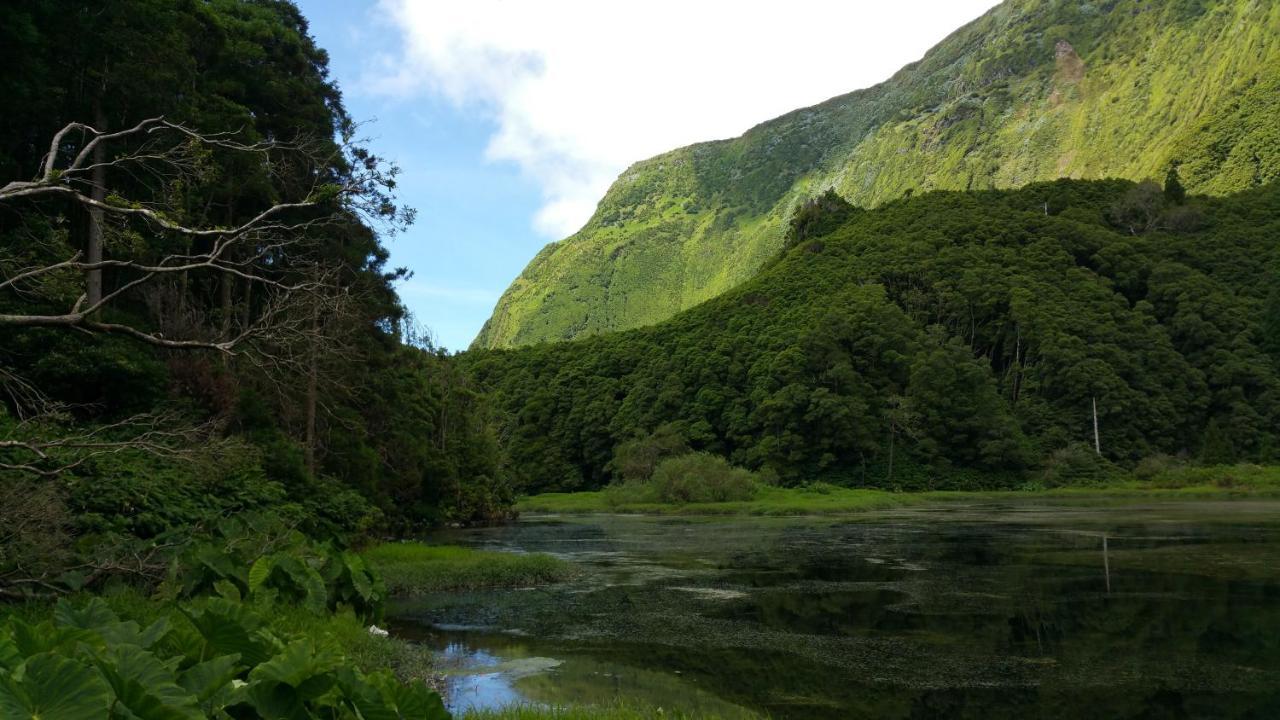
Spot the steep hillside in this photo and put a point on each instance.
(1034, 90)
(973, 331)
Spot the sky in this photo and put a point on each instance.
(510, 118)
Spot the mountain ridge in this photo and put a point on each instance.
(1032, 90)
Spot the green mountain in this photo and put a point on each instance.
(972, 331)
(1034, 90)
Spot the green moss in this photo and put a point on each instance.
(411, 567)
(999, 103)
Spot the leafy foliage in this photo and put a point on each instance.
(948, 341)
(257, 558)
(396, 437)
(212, 658)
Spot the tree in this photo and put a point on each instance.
(1217, 448)
(1173, 190)
(902, 419)
(155, 245)
(1139, 209)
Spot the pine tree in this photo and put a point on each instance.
(1173, 190)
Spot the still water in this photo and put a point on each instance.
(978, 611)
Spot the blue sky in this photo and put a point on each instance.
(473, 235)
(510, 118)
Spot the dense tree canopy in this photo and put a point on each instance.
(974, 331)
(346, 423)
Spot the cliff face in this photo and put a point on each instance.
(1034, 90)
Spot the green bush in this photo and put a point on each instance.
(1155, 466)
(1076, 464)
(637, 459)
(702, 477)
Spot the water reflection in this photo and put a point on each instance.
(984, 612)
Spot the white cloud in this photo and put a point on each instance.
(580, 89)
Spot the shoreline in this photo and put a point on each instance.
(1224, 483)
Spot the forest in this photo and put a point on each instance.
(969, 333)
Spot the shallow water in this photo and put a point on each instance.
(982, 611)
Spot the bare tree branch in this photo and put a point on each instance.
(163, 258)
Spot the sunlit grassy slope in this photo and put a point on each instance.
(1035, 89)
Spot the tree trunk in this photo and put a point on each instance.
(98, 178)
(892, 432)
(313, 387)
(227, 285)
(246, 312)
(1097, 440)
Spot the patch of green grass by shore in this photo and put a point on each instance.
(1184, 482)
(582, 712)
(818, 498)
(409, 568)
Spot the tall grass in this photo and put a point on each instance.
(411, 567)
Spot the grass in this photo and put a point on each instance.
(346, 633)
(410, 568)
(1189, 483)
(581, 712)
(818, 498)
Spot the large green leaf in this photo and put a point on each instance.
(277, 701)
(315, 596)
(153, 633)
(145, 686)
(381, 696)
(302, 666)
(54, 688)
(206, 679)
(361, 580)
(92, 615)
(260, 571)
(10, 658)
(229, 629)
(34, 639)
(97, 617)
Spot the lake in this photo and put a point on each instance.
(1013, 609)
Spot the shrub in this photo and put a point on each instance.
(637, 459)
(702, 477)
(1076, 464)
(34, 541)
(1155, 466)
